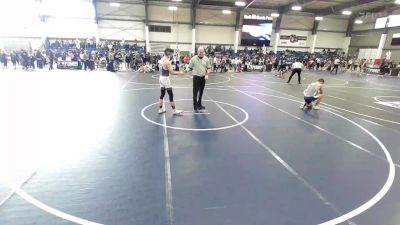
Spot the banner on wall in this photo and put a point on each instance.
(293, 40)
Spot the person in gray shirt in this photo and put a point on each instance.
(313, 93)
(201, 68)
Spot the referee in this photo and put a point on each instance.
(201, 67)
(296, 68)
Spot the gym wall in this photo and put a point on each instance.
(127, 25)
(333, 24)
(330, 40)
(212, 27)
(161, 13)
(125, 11)
(180, 33)
(208, 16)
(297, 22)
(365, 36)
(331, 31)
(395, 50)
(215, 35)
(117, 30)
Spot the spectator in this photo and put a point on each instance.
(14, 59)
(85, 60)
(3, 59)
(51, 59)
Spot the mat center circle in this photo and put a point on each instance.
(205, 116)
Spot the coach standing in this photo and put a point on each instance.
(201, 68)
(296, 68)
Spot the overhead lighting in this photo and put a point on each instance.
(358, 22)
(240, 3)
(296, 7)
(346, 12)
(226, 12)
(397, 2)
(172, 8)
(319, 18)
(115, 4)
(275, 15)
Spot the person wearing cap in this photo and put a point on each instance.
(165, 83)
(201, 68)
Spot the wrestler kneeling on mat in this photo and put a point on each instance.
(165, 83)
(313, 93)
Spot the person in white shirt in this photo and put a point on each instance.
(336, 65)
(349, 64)
(313, 93)
(297, 67)
(318, 63)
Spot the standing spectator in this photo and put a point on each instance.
(147, 58)
(39, 59)
(176, 60)
(310, 64)
(14, 59)
(92, 58)
(281, 67)
(32, 60)
(336, 63)
(218, 63)
(215, 64)
(139, 61)
(238, 63)
(356, 64)
(85, 60)
(128, 60)
(363, 65)
(349, 64)
(275, 62)
(51, 59)
(3, 59)
(110, 66)
(24, 59)
(318, 60)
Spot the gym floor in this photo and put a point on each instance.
(90, 148)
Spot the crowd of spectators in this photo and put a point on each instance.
(120, 55)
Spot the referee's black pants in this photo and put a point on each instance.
(335, 67)
(198, 87)
(298, 71)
